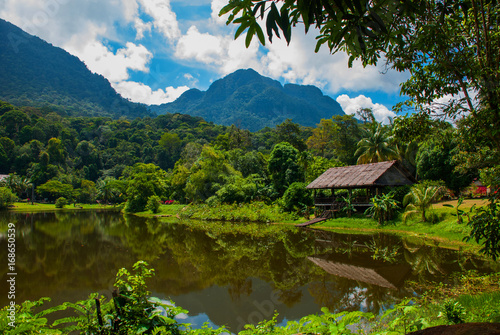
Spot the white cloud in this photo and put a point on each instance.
(165, 20)
(58, 21)
(114, 67)
(298, 63)
(216, 7)
(138, 92)
(222, 53)
(351, 105)
(141, 27)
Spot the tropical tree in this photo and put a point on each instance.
(348, 135)
(375, 146)
(420, 199)
(322, 141)
(283, 167)
(208, 174)
(6, 197)
(18, 184)
(108, 189)
(144, 181)
(54, 189)
(290, 132)
(297, 198)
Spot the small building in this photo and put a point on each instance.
(370, 177)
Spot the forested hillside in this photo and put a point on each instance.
(35, 73)
(251, 101)
(184, 158)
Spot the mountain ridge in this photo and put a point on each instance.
(252, 101)
(37, 73)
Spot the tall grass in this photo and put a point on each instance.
(253, 212)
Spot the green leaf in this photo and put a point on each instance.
(241, 29)
(250, 33)
(260, 34)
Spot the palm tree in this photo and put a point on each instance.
(420, 199)
(375, 146)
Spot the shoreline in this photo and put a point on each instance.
(445, 233)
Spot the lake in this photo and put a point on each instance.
(222, 278)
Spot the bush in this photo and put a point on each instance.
(297, 198)
(153, 204)
(61, 202)
(6, 197)
(400, 192)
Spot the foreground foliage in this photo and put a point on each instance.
(131, 310)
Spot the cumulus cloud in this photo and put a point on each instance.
(114, 67)
(351, 105)
(141, 27)
(165, 20)
(138, 92)
(216, 6)
(223, 53)
(298, 63)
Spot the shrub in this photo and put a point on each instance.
(61, 202)
(420, 199)
(153, 204)
(383, 207)
(297, 198)
(6, 197)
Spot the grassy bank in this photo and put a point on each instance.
(442, 227)
(39, 207)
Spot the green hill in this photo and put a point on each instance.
(36, 73)
(251, 101)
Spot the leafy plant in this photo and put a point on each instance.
(459, 213)
(454, 312)
(153, 204)
(61, 202)
(485, 224)
(26, 320)
(6, 197)
(348, 206)
(419, 200)
(404, 317)
(383, 206)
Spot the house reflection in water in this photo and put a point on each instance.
(364, 269)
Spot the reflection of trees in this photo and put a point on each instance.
(229, 259)
(83, 251)
(424, 260)
(63, 250)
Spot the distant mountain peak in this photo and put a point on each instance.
(37, 73)
(253, 102)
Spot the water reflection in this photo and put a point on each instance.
(226, 278)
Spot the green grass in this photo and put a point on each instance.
(444, 229)
(253, 212)
(37, 207)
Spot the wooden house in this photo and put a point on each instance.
(371, 177)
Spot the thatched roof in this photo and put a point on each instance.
(390, 173)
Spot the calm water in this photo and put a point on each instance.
(225, 279)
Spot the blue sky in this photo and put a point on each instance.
(153, 50)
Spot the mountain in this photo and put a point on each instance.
(36, 73)
(251, 101)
